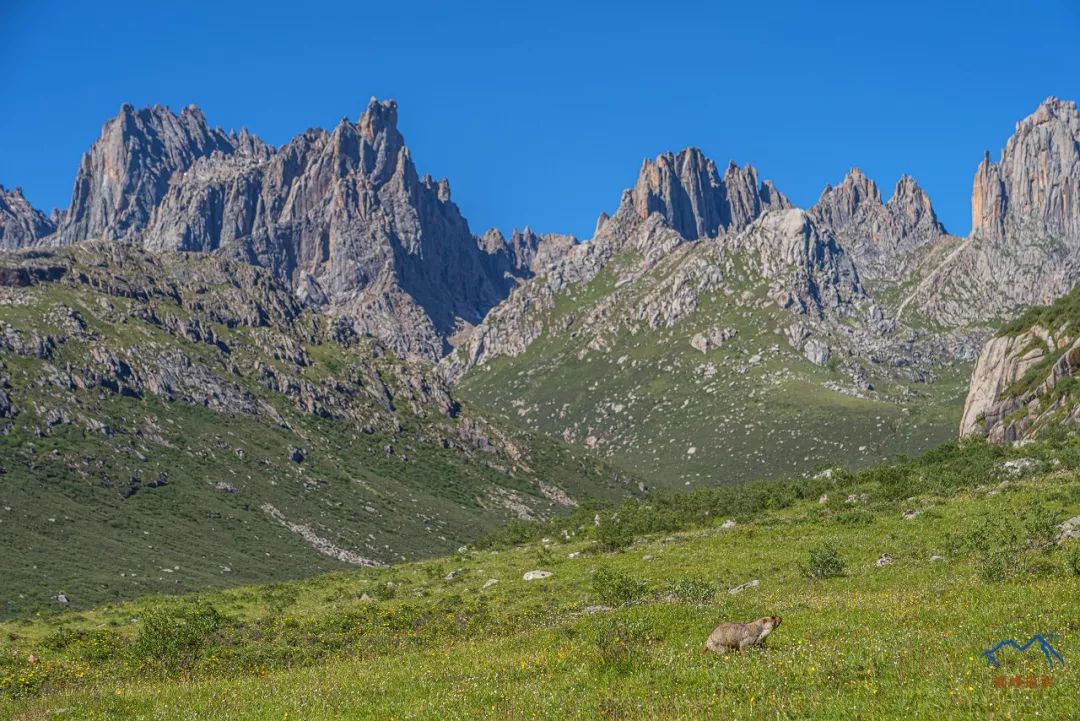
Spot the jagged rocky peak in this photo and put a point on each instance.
(344, 217)
(21, 224)
(492, 241)
(130, 167)
(909, 201)
(689, 193)
(1035, 188)
(879, 236)
(839, 205)
(532, 252)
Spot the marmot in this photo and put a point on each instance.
(740, 636)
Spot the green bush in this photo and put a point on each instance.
(1072, 558)
(614, 588)
(614, 534)
(824, 561)
(619, 643)
(176, 636)
(994, 567)
(544, 556)
(1042, 527)
(693, 590)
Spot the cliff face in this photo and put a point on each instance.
(131, 166)
(1035, 187)
(21, 225)
(1024, 247)
(1023, 380)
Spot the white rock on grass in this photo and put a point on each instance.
(536, 575)
(742, 587)
(1069, 529)
(490, 582)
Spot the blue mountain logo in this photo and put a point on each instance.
(1042, 640)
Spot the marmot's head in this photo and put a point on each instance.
(770, 622)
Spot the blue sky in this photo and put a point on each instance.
(540, 113)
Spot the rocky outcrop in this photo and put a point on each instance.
(1017, 385)
(532, 253)
(805, 267)
(21, 225)
(694, 200)
(880, 237)
(139, 154)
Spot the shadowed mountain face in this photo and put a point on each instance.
(187, 408)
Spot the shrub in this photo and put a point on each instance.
(618, 644)
(279, 596)
(693, 590)
(544, 556)
(614, 588)
(1072, 558)
(824, 562)
(994, 567)
(614, 534)
(176, 636)
(1042, 527)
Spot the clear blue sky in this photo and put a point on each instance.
(540, 113)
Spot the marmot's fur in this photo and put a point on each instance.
(740, 636)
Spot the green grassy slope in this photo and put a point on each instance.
(646, 399)
(619, 634)
(121, 477)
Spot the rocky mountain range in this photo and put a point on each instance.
(1024, 246)
(880, 237)
(871, 299)
(21, 225)
(343, 217)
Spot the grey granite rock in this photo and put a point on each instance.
(695, 201)
(134, 162)
(21, 225)
(880, 237)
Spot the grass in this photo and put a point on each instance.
(429, 640)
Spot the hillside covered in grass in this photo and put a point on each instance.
(178, 422)
(687, 368)
(891, 583)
